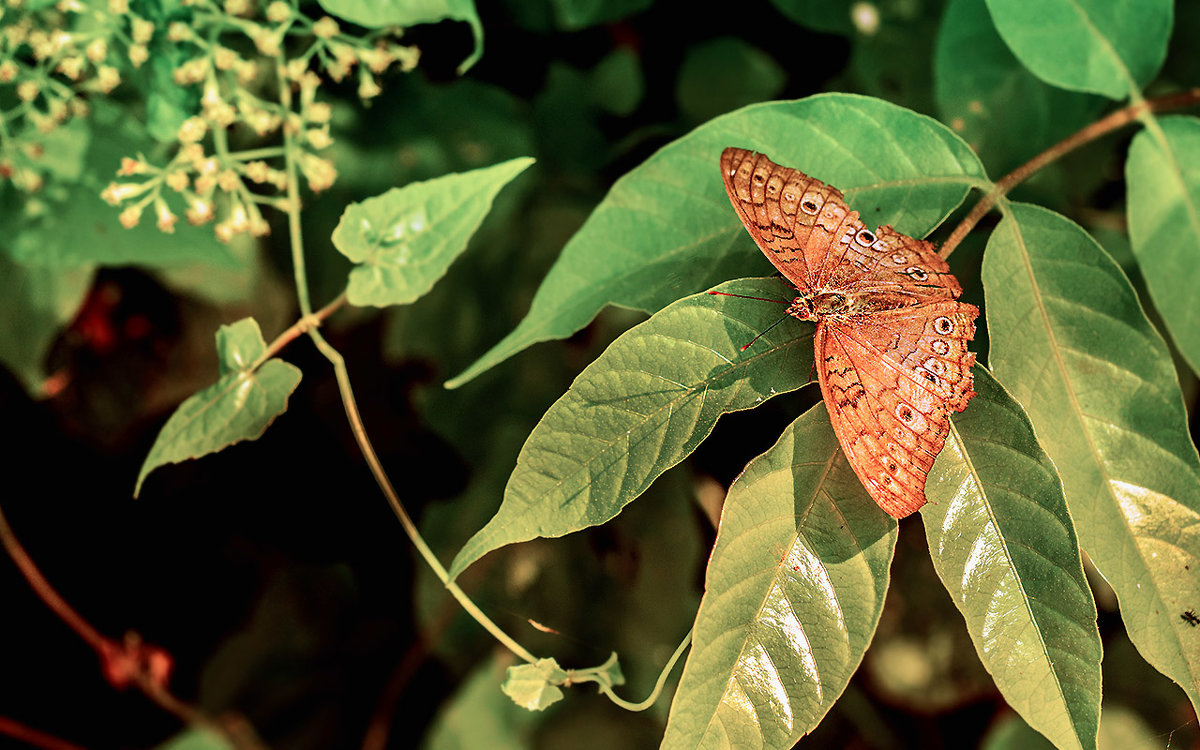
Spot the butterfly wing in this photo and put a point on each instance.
(886, 260)
(797, 221)
(889, 381)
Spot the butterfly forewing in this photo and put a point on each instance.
(796, 220)
(891, 339)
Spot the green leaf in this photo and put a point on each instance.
(35, 304)
(405, 239)
(375, 14)
(976, 81)
(722, 74)
(480, 716)
(793, 594)
(642, 407)
(535, 686)
(1003, 544)
(666, 228)
(573, 15)
(820, 15)
(1163, 175)
(239, 406)
(1100, 46)
(1071, 343)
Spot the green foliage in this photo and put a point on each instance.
(1001, 539)
(257, 115)
(655, 237)
(250, 392)
(794, 591)
(404, 240)
(1087, 45)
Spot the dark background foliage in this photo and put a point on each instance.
(275, 574)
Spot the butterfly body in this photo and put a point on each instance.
(891, 335)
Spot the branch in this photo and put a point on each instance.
(1091, 132)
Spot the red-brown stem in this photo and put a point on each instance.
(102, 645)
(33, 737)
(1091, 132)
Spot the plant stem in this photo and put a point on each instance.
(241, 738)
(350, 404)
(1089, 133)
(658, 686)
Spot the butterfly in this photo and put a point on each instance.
(891, 339)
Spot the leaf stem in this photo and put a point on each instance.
(1089, 133)
(347, 393)
(658, 686)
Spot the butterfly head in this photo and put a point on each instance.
(802, 308)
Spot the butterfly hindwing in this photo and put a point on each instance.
(890, 429)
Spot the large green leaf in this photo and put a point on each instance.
(1071, 343)
(1101, 46)
(375, 14)
(240, 406)
(976, 81)
(794, 589)
(405, 239)
(1163, 174)
(666, 228)
(642, 407)
(35, 304)
(1002, 542)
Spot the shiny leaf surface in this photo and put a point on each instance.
(644, 405)
(405, 239)
(794, 590)
(1101, 46)
(1163, 174)
(665, 228)
(1070, 342)
(239, 406)
(1002, 542)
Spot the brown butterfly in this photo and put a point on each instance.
(891, 339)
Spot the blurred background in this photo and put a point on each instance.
(274, 572)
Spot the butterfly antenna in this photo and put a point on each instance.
(764, 332)
(745, 296)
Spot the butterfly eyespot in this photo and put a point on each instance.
(916, 273)
(905, 413)
(759, 178)
(809, 207)
(892, 466)
(864, 237)
(940, 347)
(929, 376)
(943, 325)
(899, 258)
(934, 365)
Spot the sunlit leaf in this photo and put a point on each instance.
(1163, 173)
(666, 228)
(642, 407)
(404, 240)
(1002, 542)
(1101, 46)
(794, 590)
(1070, 342)
(240, 406)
